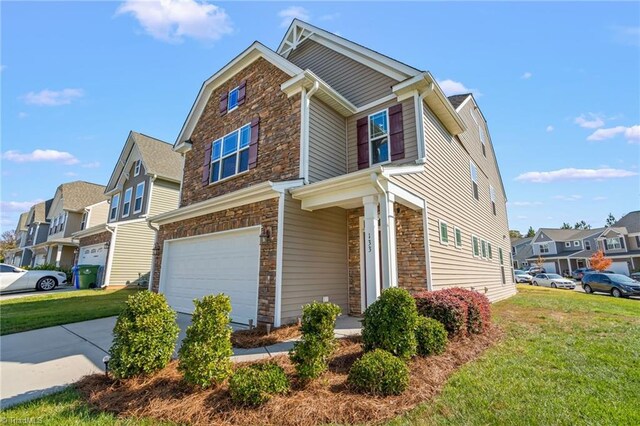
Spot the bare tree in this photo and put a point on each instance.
(8, 241)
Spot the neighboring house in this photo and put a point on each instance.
(327, 171)
(521, 251)
(144, 182)
(65, 218)
(16, 256)
(621, 243)
(563, 250)
(37, 232)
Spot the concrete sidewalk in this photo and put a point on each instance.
(38, 362)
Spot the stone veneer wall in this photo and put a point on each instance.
(264, 213)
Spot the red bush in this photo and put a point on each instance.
(478, 308)
(450, 310)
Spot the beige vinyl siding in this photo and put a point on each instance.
(327, 148)
(446, 185)
(99, 213)
(410, 133)
(165, 197)
(314, 258)
(353, 80)
(72, 223)
(131, 254)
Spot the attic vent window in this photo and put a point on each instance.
(136, 170)
(233, 99)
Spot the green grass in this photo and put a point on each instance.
(30, 313)
(566, 359)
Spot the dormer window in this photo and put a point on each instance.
(233, 100)
(613, 244)
(576, 243)
(136, 168)
(567, 244)
(113, 212)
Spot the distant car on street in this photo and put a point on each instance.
(522, 276)
(553, 281)
(580, 272)
(617, 285)
(535, 270)
(13, 278)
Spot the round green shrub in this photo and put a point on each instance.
(390, 322)
(205, 355)
(254, 385)
(431, 336)
(144, 336)
(379, 373)
(311, 354)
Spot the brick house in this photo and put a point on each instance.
(327, 171)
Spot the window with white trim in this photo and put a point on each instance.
(230, 154)
(475, 246)
(567, 244)
(83, 221)
(126, 202)
(136, 168)
(613, 243)
(444, 232)
(587, 245)
(500, 255)
(113, 212)
(232, 99)
(458, 233)
(474, 180)
(379, 137)
(492, 193)
(484, 249)
(137, 204)
(514, 251)
(544, 248)
(489, 250)
(482, 139)
(576, 243)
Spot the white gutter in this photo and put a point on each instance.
(112, 246)
(304, 132)
(387, 220)
(153, 256)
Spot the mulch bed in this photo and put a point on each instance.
(326, 400)
(257, 337)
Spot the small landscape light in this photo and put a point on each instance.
(106, 360)
(265, 235)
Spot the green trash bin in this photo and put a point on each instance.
(88, 276)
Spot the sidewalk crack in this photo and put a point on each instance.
(86, 340)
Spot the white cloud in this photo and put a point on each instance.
(589, 121)
(17, 206)
(550, 128)
(568, 197)
(574, 174)
(39, 155)
(599, 198)
(627, 35)
(522, 217)
(22, 115)
(71, 174)
(526, 76)
(48, 97)
(631, 134)
(172, 20)
(329, 17)
(452, 87)
(291, 13)
(91, 165)
(524, 203)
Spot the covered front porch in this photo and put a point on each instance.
(385, 226)
(60, 253)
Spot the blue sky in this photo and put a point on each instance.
(559, 84)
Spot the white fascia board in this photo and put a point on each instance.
(89, 231)
(253, 52)
(464, 103)
(252, 194)
(404, 196)
(328, 94)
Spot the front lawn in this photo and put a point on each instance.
(566, 358)
(30, 313)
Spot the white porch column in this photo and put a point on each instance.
(371, 248)
(49, 252)
(59, 254)
(389, 249)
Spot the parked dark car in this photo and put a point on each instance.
(617, 285)
(535, 270)
(635, 276)
(580, 272)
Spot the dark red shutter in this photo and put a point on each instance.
(207, 164)
(253, 145)
(242, 90)
(396, 132)
(223, 103)
(362, 126)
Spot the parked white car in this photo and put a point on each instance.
(13, 278)
(553, 281)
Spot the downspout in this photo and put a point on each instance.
(422, 147)
(112, 243)
(304, 149)
(153, 255)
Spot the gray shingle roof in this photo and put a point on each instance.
(79, 194)
(158, 157)
(519, 241)
(41, 210)
(631, 221)
(22, 222)
(456, 100)
(569, 234)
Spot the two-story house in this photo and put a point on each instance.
(564, 250)
(16, 256)
(521, 251)
(145, 182)
(37, 233)
(65, 218)
(327, 171)
(621, 243)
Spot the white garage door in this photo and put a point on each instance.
(620, 268)
(225, 262)
(93, 255)
(550, 267)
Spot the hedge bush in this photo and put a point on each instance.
(254, 385)
(431, 336)
(446, 308)
(51, 267)
(389, 323)
(205, 355)
(478, 309)
(311, 354)
(379, 373)
(144, 336)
